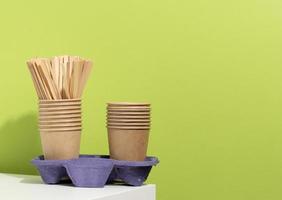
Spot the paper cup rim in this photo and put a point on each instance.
(60, 108)
(128, 124)
(60, 116)
(128, 113)
(128, 117)
(58, 100)
(60, 125)
(60, 112)
(48, 105)
(129, 127)
(61, 121)
(128, 110)
(128, 120)
(129, 107)
(60, 129)
(128, 104)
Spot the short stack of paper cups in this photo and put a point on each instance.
(128, 130)
(60, 128)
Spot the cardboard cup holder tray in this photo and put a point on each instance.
(94, 170)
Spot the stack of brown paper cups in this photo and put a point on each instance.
(60, 128)
(59, 83)
(128, 130)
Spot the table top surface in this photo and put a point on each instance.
(13, 186)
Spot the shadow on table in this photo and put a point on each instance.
(19, 143)
(32, 180)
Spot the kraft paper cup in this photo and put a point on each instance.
(128, 145)
(60, 145)
(128, 125)
(60, 128)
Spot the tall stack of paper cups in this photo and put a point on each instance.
(128, 127)
(60, 128)
(59, 83)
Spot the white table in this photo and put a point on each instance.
(19, 187)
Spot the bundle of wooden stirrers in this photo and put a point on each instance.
(60, 77)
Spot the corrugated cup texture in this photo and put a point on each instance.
(60, 128)
(128, 125)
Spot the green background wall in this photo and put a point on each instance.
(211, 69)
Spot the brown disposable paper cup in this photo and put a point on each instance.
(60, 145)
(128, 144)
(60, 128)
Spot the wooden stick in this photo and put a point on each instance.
(84, 77)
(43, 74)
(66, 85)
(36, 84)
(41, 84)
(75, 77)
(52, 81)
(47, 77)
(70, 75)
(57, 74)
(61, 77)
